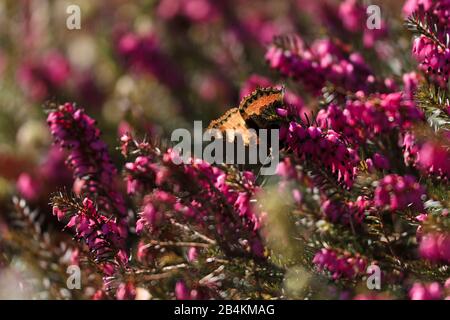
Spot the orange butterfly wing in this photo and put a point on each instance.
(232, 120)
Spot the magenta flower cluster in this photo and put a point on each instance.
(432, 50)
(212, 186)
(89, 159)
(435, 247)
(103, 236)
(365, 117)
(346, 213)
(324, 61)
(340, 265)
(430, 291)
(429, 157)
(324, 147)
(395, 192)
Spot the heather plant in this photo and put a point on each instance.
(358, 207)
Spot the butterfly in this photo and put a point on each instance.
(256, 111)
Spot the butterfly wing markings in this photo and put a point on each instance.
(232, 120)
(258, 109)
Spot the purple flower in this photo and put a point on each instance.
(345, 213)
(434, 159)
(212, 197)
(126, 291)
(103, 236)
(88, 156)
(340, 265)
(182, 291)
(395, 192)
(419, 291)
(435, 247)
(323, 62)
(430, 157)
(324, 147)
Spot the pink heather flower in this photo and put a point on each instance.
(434, 159)
(365, 117)
(395, 192)
(145, 254)
(103, 236)
(192, 254)
(141, 173)
(345, 213)
(435, 247)
(419, 291)
(126, 291)
(286, 169)
(381, 162)
(429, 157)
(39, 78)
(152, 214)
(381, 113)
(352, 14)
(410, 84)
(433, 59)
(323, 61)
(439, 8)
(447, 285)
(181, 291)
(323, 147)
(88, 156)
(335, 118)
(340, 265)
(231, 207)
(75, 256)
(410, 148)
(432, 53)
(413, 5)
(428, 248)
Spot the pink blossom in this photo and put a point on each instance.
(340, 265)
(421, 291)
(435, 247)
(395, 192)
(126, 291)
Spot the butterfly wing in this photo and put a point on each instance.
(260, 106)
(232, 120)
